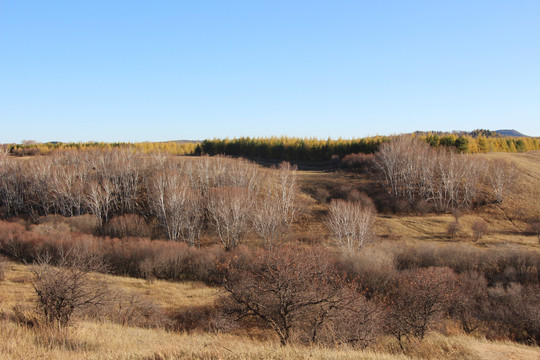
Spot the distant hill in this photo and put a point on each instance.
(513, 133)
(476, 133)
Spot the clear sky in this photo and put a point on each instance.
(163, 70)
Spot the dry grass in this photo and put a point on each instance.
(506, 222)
(17, 289)
(105, 340)
(89, 340)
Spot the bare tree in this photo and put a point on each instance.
(99, 199)
(421, 297)
(479, 229)
(229, 209)
(502, 177)
(287, 289)
(469, 304)
(67, 286)
(286, 185)
(176, 206)
(275, 208)
(351, 224)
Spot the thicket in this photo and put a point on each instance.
(312, 294)
(127, 193)
(446, 181)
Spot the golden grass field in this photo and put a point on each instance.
(104, 340)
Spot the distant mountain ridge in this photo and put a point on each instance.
(512, 132)
(477, 133)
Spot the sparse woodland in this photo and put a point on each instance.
(305, 263)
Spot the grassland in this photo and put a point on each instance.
(94, 339)
(507, 222)
(91, 338)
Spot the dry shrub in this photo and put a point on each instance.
(479, 228)
(359, 162)
(87, 224)
(206, 318)
(373, 269)
(131, 309)
(419, 301)
(288, 289)
(514, 312)
(453, 229)
(358, 323)
(322, 195)
(26, 315)
(128, 225)
(65, 286)
(505, 264)
(470, 305)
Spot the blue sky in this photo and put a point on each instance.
(164, 70)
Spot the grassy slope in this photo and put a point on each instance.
(506, 222)
(104, 340)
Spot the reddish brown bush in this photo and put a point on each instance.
(129, 225)
(3, 267)
(131, 309)
(288, 289)
(418, 302)
(514, 312)
(67, 287)
(359, 162)
(479, 228)
(470, 303)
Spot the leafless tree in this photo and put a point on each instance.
(421, 297)
(470, 302)
(286, 184)
(176, 206)
(412, 169)
(12, 186)
(502, 177)
(479, 229)
(354, 321)
(351, 224)
(229, 209)
(275, 207)
(287, 289)
(67, 286)
(99, 199)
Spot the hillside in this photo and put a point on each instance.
(95, 339)
(512, 133)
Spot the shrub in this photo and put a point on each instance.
(479, 229)
(67, 287)
(469, 306)
(453, 228)
(418, 302)
(128, 225)
(2, 268)
(287, 289)
(514, 312)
